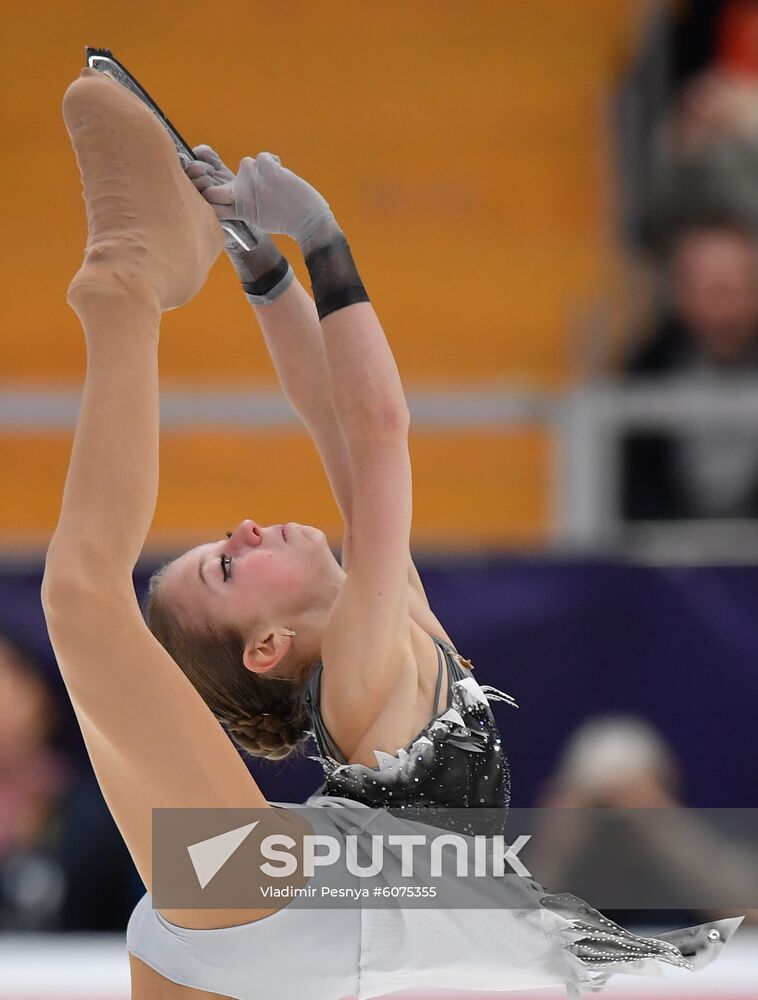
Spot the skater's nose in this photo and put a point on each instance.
(247, 533)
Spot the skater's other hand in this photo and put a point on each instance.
(208, 170)
(264, 257)
(265, 195)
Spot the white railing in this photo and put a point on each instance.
(587, 476)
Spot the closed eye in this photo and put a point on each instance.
(226, 565)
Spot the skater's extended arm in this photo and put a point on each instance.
(289, 322)
(292, 332)
(366, 647)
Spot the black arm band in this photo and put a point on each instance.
(334, 277)
(263, 285)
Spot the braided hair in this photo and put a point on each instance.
(264, 715)
(268, 735)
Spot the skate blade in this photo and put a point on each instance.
(105, 62)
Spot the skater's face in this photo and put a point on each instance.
(264, 574)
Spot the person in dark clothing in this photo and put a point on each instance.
(709, 337)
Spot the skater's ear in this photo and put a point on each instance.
(265, 650)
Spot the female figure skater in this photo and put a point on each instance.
(270, 630)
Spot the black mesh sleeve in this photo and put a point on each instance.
(334, 277)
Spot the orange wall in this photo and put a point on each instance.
(462, 148)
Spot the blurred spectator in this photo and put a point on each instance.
(706, 165)
(647, 842)
(614, 760)
(63, 864)
(702, 157)
(700, 221)
(707, 336)
(698, 145)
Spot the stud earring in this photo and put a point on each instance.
(288, 631)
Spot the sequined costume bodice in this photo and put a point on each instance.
(456, 761)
